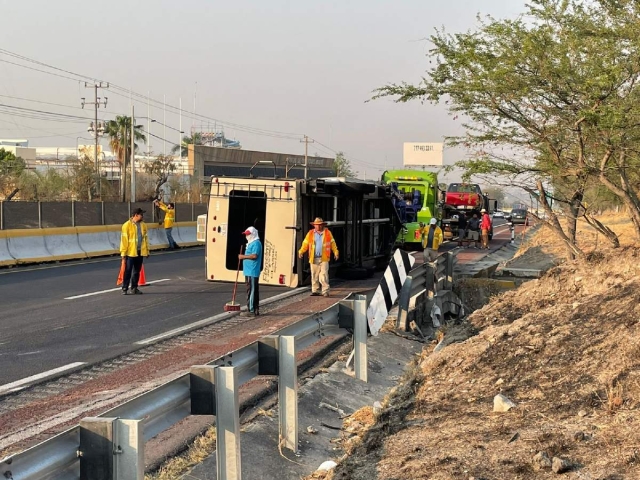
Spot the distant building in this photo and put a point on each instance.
(14, 143)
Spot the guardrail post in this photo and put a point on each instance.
(227, 424)
(39, 214)
(202, 389)
(97, 449)
(430, 280)
(360, 337)
(73, 213)
(268, 355)
(451, 257)
(403, 304)
(288, 392)
(129, 449)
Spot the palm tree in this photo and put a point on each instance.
(119, 132)
(194, 139)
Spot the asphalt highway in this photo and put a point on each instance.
(58, 316)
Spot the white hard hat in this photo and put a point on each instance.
(433, 221)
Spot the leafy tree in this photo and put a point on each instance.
(10, 164)
(550, 97)
(39, 186)
(83, 177)
(11, 167)
(160, 169)
(195, 139)
(342, 166)
(119, 132)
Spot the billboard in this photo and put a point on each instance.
(419, 154)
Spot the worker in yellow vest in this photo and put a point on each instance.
(431, 240)
(169, 219)
(134, 246)
(319, 242)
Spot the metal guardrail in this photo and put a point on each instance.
(111, 446)
(435, 278)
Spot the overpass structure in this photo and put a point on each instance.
(205, 162)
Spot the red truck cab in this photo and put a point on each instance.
(464, 196)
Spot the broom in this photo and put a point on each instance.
(232, 306)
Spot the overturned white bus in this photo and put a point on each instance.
(360, 214)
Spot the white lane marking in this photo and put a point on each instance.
(111, 290)
(30, 353)
(501, 227)
(218, 317)
(20, 384)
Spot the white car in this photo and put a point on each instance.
(498, 214)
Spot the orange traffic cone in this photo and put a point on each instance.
(142, 281)
(121, 274)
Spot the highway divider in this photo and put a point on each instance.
(39, 245)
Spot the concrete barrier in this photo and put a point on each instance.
(157, 238)
(95, 241)
(5, 256)
(27, 246)
(36, 245)
(63, 244)
(186, 234)
(114, 233)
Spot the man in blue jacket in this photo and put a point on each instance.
(251, 268)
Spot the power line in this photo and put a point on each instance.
(128, 93)
(35, 111)
(41, 102)
(245, 128)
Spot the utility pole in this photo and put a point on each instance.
(123, 175)
(306, 141)
(133, 158)
(148, 123)
(96, 129)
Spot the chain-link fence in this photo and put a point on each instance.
(16, 215)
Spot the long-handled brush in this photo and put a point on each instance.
(232, 306)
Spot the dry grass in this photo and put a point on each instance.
(565, 348)
(589, 239)
(202, 447)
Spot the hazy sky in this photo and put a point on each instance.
(298, 67)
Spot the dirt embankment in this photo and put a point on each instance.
(565, 349)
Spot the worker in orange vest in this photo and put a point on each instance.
(319, 242)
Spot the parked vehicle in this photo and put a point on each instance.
(498, 214)
(464, 196)
(467, 198)
(418, 197)
(415, 195)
